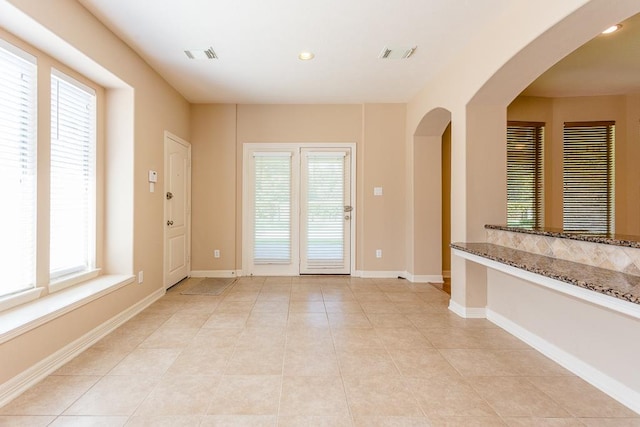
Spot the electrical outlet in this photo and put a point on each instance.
(140, 276)
(216, 253)
(378, 253)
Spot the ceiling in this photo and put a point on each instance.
(607, 65)
(257, 43)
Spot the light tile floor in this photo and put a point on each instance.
(312, 351)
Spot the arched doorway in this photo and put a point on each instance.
(428, 225)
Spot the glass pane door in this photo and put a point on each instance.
(325, 212)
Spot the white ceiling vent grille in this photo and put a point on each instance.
(397, 52)
(201, 54)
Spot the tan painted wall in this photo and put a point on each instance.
(427, 197)
(383, 166)
(218, 135)
(213, 188)
(555, 112)
(156, 107)
(605, 341)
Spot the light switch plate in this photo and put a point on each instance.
(377, 191)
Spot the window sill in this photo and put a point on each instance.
(76, 278)
(26, 317)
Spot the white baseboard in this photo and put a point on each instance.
(620, 392)
(216, 273)
(367, 274)
(423, 278)
(467, 312)
(370, 274)
(36, 373)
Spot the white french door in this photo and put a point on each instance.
(325, 211)
(298, 209)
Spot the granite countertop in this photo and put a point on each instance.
(608, 239)
(613, 283)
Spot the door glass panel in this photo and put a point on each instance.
(325, 222)
(272, 204)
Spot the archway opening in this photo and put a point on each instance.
(431, 186)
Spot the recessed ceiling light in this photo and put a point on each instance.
(305, 56)
(612, 29)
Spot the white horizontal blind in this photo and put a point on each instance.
(272, 207)
(73, 119)
(325, 203)
(525, 199)
(17, 169)
(588, 192)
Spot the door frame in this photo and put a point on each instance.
(248, 147)
(169, 136)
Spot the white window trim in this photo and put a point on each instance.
(22, 297)
(18, 52)
(70, 277)
(30, 291)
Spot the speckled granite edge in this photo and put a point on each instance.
(616, 240)
(608, 282)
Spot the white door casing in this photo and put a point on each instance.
(177, 209)
(321, 259)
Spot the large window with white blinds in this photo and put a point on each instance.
(73, 147)
(525, 183)
(17, 169)
(272, 207)
(588, 176)
(48, 176)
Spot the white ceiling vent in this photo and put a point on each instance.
(201, 54)
(397, 52)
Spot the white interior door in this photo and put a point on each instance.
(297, 210)
(177, 210)
(325, 211)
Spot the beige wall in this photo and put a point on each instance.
(218, 135)
(84, 44)
(383, 166)
(427, 199)
(213, 186)
(554, 112)
(603, 340)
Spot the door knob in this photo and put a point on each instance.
(169, 195)
(348, 208)
(169, 223)
(347, 217)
